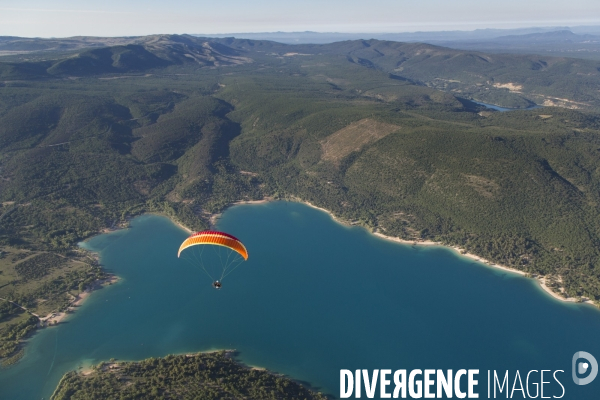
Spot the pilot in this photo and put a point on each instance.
(217, 285)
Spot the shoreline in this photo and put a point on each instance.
(185, 228)
(215, 217)
(459, 250)
(107, 365)
(426, 243)
(55, 318)
(540, 280)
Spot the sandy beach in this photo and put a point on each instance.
(262, 201)
(215, 217)
(54, 318)
(185, 228)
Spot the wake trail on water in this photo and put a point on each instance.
(55, 351)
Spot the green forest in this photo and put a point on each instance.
(195, 376)
(185, 126)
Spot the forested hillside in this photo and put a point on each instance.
(160, 126)
(508, 80)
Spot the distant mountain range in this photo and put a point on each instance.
(555, 43)
(507, 80)
(579, 42)
(329, 37)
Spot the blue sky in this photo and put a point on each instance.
(60, 18)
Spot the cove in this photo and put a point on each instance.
(314, 297)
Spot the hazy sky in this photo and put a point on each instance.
(60, 18)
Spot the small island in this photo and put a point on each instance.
(214, 375)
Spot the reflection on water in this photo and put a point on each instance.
(498, 108)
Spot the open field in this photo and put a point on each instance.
(353, 138)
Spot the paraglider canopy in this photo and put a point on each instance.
(215, 238)
(226, 255)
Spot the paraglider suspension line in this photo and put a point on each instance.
(236, 262)
(229, 262)
(232, 261)
(198, 261)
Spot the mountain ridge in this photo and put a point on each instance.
(132, 55)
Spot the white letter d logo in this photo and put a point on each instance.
(582, 368)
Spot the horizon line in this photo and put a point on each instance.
(310, 32)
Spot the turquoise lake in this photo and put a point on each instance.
(314, 297)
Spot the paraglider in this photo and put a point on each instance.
(228, 253)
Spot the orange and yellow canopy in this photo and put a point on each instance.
(215, 238)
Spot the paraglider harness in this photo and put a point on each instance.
(217, 285)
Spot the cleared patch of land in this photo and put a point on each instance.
(485, 187)
(354, 137)
(513, 87)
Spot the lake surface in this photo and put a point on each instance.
(502, 109)
(313, 298)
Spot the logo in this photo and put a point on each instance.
(582, 367)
